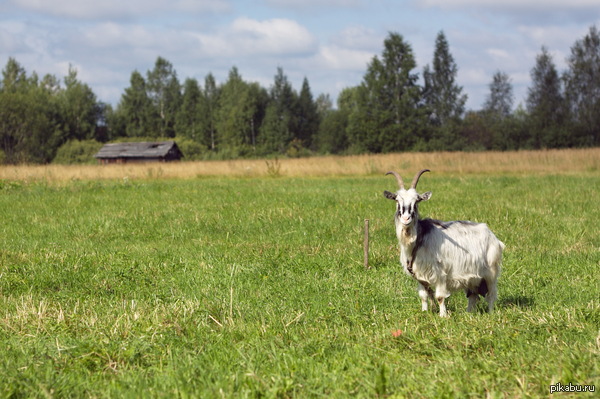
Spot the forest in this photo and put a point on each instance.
(393, 109)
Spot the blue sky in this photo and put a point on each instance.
(330, 42)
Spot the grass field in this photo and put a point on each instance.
(250, 287)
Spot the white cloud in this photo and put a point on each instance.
(351, 49)
(99, 9)
(245, 36)
(196, 6)
(111, 51)
(553, 36)
(11, 39)
(497, 53)
(511, 4)
(314, 3)
(112, 35)
(524, 11)
(520, 78)
(272, 36)
(557, 39)
(358, 37)
(339, 58)
(474, 76)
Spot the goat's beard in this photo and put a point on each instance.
(407, 233)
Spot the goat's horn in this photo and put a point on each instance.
(398, 179)
(416, 179)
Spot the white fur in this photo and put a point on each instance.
(452, 255)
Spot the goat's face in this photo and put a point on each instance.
(407, 212)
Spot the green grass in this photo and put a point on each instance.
(255, 287)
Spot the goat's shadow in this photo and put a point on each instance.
(518, 301)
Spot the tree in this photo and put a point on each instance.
(51, 84)
(135, 108)
(443, 97)
(14, 77)
(189, 119)
(475, 131)
(211, 94)
(323, 104)
(582, 81)
(79, 110)
(25, 129)
(333, 130)
(388, 116)
(279, 124)
(259, 99)
(307, 117)
(235, 117)
(26, 111)
(545, 104)
(164, 92)
(497, 110)
(332, 137)
(500, 100)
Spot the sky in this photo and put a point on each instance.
(330, 42)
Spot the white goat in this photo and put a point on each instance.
(445, 256)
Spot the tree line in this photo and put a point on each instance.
(392, 109)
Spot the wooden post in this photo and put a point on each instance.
(366, 244)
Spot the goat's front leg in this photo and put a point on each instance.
(441, 293)
(443, 311)
(424, 293)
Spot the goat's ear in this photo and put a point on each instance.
(425, 196)
(389, 195)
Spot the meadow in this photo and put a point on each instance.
(154, 285)
(562, 161)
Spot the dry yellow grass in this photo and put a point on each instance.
(567, 161)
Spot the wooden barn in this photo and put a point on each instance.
(156, 151)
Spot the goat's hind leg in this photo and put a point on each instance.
(491, 295)
(473, 294)
(473, 300)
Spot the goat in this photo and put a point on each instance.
(447, 256)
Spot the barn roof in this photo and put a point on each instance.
(152, 149)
